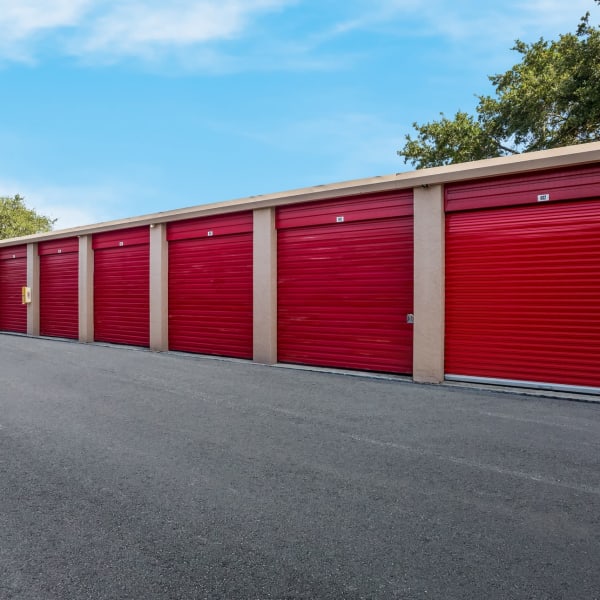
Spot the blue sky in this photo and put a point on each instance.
(117, 108)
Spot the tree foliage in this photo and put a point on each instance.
(17, 220)
(550, 98)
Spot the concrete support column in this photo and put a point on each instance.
(429, 291)
(159, 288)
(33, 283)
(86, 289)
(265, 286)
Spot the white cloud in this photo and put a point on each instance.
(134, 28)
(467, 20)
(23, 22)
(25, 18)
(189, 31)
(131, 27)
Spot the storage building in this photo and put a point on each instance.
(486, 271)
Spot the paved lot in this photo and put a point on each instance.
(127, 474)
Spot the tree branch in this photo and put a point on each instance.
(506, 149)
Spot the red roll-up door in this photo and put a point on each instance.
(13, 277)
(345, 283)
(523, 282)
(210, 285)
(59, 293)
(122, 286)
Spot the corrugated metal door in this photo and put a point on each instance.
(345, 283)
(122, 286)
(13, 277)
(210, 285)
(523, 282)
(59, 277)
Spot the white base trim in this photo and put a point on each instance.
(555, 387)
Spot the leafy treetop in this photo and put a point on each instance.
(550, 98)
(17, 220)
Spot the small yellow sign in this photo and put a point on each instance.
(25, 295)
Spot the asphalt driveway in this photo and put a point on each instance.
(128, 474)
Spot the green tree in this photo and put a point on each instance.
(16, 219)
(550, 98)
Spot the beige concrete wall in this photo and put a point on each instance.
(159, 291)
(33, 283)
(86, 289)
(265, 286)
(429, 288)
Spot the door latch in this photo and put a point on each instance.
(410, 319)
